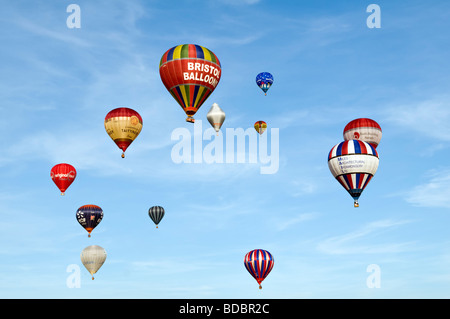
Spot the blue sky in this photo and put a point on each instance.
(57, 84)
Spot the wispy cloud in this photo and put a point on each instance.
(433, 193)
(357, 242)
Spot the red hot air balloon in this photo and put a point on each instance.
(63, 175)
(363, 129)
(190, 73)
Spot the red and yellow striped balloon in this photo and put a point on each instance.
(190, 73)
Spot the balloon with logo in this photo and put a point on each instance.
(264, 80)
(353, 163)
(123, 125)
(156, 213)
(363, 129)
(260, 126)
(190, 73)
(63, 175)
(259, 264)
(216, 117)
(89, 216)
(93, 257)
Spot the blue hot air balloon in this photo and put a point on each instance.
(264, 80)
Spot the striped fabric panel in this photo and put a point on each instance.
(122, 113)
(259, 263)
(352, 147)
(156, 213)
(189, 51)
(354, 183)
(362, 122)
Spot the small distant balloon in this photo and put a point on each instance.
(123, 125)
(264, 80)
(89, 216)
(63, 175)
(216, 117)
(259, 264)
(156, 213)
(260, 126)
(93, 257)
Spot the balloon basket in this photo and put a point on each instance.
(123, 155)
(190, 119)
(62, 193)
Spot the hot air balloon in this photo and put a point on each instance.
(63, 175)
(353, 163)
(363, 129)
(156, 213)
(258, 263)
(260, 126)
(93, 257)
(89, 216)
(123, 125)
(264, 80)
(216, 117)
(190, 73)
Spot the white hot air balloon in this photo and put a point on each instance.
(93, 258)
(216, 117)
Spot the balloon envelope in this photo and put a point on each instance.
(264, 80)
(156, 213)
(63, 175)
(216, 116)
(260, 126)
(123, 125)
(259, 264)
(89, 216)
(353, 163)
(190, 73)
(93, 257)
(363, 129)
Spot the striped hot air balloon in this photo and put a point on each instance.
(93, 257)
(123, 125)
(353, 163)
(363, 129)
(156, 213)
(190, 73)
(260, 126)
(89, 216)
(259, 264)
(63, 175)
